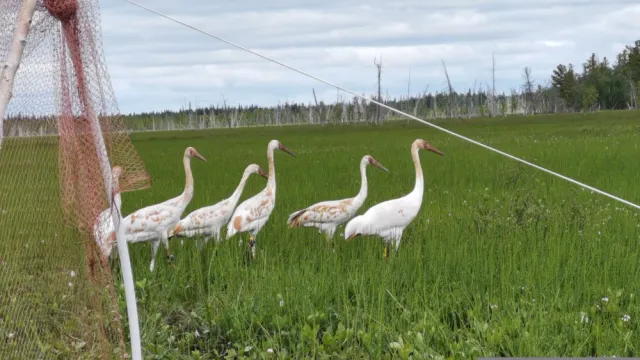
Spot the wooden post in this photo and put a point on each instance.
(14, 56)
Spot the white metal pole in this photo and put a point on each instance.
(14, 56)
(123, 249)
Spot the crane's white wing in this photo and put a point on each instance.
(176, 201)
(103, 231)
(152, 218)
(205, 218)
(396, 213)
(252, 213)
(332, 211)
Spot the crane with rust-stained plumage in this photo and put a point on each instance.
(103, 230)
(209, 220)
(251, 215)
(153, 223)
(388, 219)
(328, 215)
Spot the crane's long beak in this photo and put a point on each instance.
(352, 236)
(429, 147)
(376, 163)
(262, 173)
(196, 154)
(285, 149)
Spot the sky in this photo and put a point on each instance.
(156, 64)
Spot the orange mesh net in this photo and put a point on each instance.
(57, 296)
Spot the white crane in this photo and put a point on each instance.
(103, 229)
(153, 222)
(251, 215)
(209, 220)
(388, 219)
(328, 215)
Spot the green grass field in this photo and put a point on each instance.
(503, 259)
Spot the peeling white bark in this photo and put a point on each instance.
(10, 66)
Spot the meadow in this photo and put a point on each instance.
(502, 260)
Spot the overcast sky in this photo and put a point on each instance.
(156, 64)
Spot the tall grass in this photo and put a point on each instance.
(502, 260)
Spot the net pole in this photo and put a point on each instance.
(10, 67)
(105, 166)
(123, 249)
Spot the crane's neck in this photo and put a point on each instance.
(362, 194)
(271, 182)
(419, 186)
(188, 185)
(238, 192)
(116, 195)
(118, 202)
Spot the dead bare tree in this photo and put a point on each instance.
(408, 100)
(225, 113)
(451, 94)
(528, 88)
(633, 95)
(316, 101)
(379, 68)
(494, 103)
(422, 98)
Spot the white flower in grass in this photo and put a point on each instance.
(605, 299)
(73, 273)
(11, 336)
(270, 351)
(583, 317)
(626, 318)
(196, 333)
(494, 306)
(70, 284)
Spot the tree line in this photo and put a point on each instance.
(599, 85)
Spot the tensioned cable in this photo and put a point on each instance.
(396, 110)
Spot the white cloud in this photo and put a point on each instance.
(157, 64)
